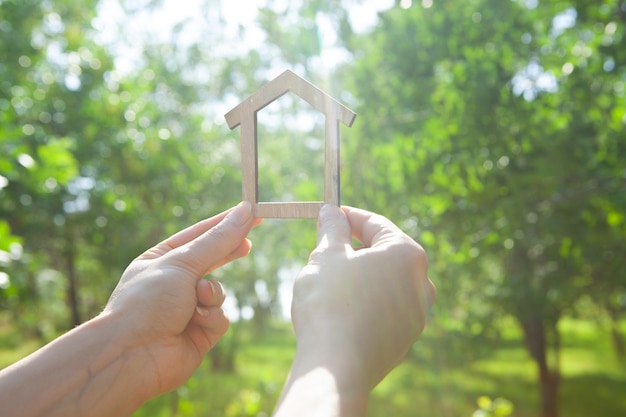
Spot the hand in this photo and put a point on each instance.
(356, 312)
(153, 333)
(173, 317)
(368, 304)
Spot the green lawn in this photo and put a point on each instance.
(593, 380)
(438, 379)
(430, 383)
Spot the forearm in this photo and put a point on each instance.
(86, 372)
(322, 385)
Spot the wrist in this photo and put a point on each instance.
(124, 349)
(84, 372)
(344, 364)
(323, 382)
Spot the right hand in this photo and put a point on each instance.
(358, 311)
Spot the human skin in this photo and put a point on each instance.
(355, 312)
(159, 323)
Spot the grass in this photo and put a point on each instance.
(261, 368)
(12, 347)
(11, 354)
(593, 380)
(443, 377)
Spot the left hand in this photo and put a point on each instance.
(171, 316)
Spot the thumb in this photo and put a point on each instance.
(333, 228)
(213, 246)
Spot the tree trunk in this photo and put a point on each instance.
(535, 337)
(549, 391)
(223, 354)
(618, 342)
(262, 315)
(72, 284)
(618, 338)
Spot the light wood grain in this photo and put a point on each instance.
(245, 115)
(249, 160)
(308, 209)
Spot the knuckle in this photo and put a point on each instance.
(413, 252)
(219, 233)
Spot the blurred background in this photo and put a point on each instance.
(492, 131)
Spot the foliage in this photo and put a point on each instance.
(492, 121)
(499, 407)
(87, 152)
(491, 131)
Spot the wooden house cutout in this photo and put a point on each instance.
(245, 115)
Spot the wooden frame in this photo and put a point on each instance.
(245, 115)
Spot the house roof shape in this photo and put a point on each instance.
(286, 82)
(244, 115)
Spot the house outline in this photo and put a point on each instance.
(245, 116)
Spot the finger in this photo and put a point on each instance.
(213, 318)
(193, 231)
(333, 228)
(209, 325)
(210, 293)
(241, 251)
(211, 247)
(427, 293)
(431, 292)
(370, 228)
(182, 237)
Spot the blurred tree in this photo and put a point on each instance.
(36, 157)
(499, 122)
(88, 151)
